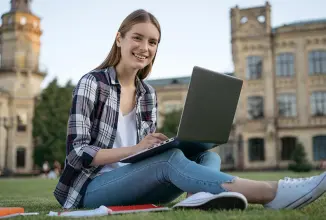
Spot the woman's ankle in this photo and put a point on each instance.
(273, 186)
(256, 192)
(188, 194)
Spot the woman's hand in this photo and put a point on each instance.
(106, 156)
(150, 140)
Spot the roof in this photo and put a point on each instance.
(169, 81)
(20, 6)
(173, 81)
(301, 23)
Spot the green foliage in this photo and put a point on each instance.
(171, 123)
(50, 122)
(301, 163)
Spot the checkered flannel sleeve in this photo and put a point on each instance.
(80, 152)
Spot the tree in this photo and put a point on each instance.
(301, 163)
(171, 123)
(50, 122)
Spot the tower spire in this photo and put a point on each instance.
(20, 6)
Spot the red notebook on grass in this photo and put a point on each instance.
(7, 212)
(137, 208)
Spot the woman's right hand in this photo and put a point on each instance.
(150, 140)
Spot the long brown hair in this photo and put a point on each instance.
(138, 16)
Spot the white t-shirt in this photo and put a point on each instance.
(126, 136)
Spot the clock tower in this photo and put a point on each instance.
(20, 84)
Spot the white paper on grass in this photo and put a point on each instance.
(101, 211)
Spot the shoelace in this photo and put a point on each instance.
(300, 179)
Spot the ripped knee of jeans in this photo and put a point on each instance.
(231, 180)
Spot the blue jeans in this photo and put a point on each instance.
(159, 179)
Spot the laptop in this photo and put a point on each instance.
(206, 118)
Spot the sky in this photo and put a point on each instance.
(78, 34)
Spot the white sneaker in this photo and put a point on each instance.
(294, 193)
(209, 201)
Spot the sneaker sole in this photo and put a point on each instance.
(311, 196)
(231, 201)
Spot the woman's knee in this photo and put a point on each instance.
(173, 155)
(175, 152)
(211, 155)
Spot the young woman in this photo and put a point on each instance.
(114, 114)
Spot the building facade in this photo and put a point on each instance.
(20, 80)
(283, 99)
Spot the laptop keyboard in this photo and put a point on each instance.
(155, 145)
(160, 144)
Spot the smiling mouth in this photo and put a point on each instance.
(140, 57)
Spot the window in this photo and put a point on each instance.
(20, 157)
(243, 20)
(254, 67)
(23, 20)
(319, 147)
(287, 105)
(10, 20)
(256, 149)
(21, 122)
(226, 153)
(285, 64)
(261, 18)
(255, 107)
(317, 62)
(318, 103)
(288, 145)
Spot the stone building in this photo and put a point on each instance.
(283, 100)
(20, 80)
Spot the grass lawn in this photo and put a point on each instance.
(35, 195)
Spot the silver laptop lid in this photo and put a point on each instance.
(210, 107)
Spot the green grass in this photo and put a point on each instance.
(35, 195)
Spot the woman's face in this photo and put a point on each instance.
(139, 45)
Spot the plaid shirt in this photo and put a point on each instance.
(92, 125)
